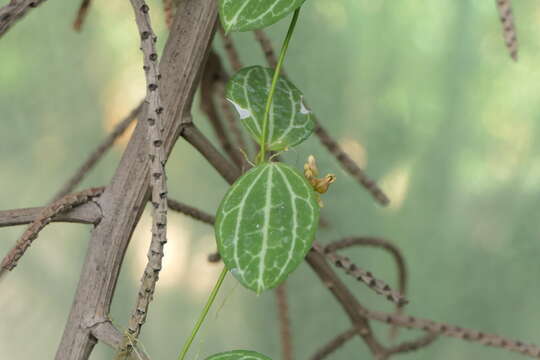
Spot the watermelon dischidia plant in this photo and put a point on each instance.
(267, 221)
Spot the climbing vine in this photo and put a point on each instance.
(267, 221)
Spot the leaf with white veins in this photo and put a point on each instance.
(239, 355)
(266, 224)
(245, 15)
(290, 121)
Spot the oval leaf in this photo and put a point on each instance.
(245, 15)
(265, 225)
(239, 355)
(290, 122)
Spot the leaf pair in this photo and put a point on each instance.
(254, 14)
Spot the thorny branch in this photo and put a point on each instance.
(45, 217)
(15, 10)
(385, 245)
(158, 177)
(379, 286)
(508, 27)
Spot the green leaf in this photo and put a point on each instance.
(266, 224)
(239, 355)
(290, 122)
(245, 15)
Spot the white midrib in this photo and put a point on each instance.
(265, 228)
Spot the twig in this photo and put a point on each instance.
(508, 26)
(414, 345)
(230, 50)
(212, 74)
(284, 322)
(200, 142)
(87, 213)
(45, 217)
(379, 286)
(331, 145)
(158, 178)
(81, 15)
(385, 245)
(14, 11)
(346, 299)
(107, 333)
(99, 152)
(486, 339)
(334, 344)
(191, 211)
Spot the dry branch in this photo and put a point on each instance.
(508, 27)
(284, 322)
(157, 178)
(124, 199)
(99, 152)
(379, 286)
(230, 50)
(213, 74)
(43, 219)
(15, 10)
(334, 344)
(81, 15)
(87, 213)
(433, 327)
(408, 346)
(385, 245)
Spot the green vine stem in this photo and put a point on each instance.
(261, 157)
(203, 315)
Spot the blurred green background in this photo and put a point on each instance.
(422, 93)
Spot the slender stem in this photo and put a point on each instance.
(204, 312)
(262, 154)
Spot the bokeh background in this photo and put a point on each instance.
(421, 93)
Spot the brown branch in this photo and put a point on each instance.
(200, 142)
(346, 299)
(44, 218)
(379, 286)
(15, 10)
(331, 145)
(81, 15)
(508, 27)
(486, 339)
(334, 344)
(99, 152)
(409, 346)
(124, 199)
(87, 213)
(284, 322)
(157, 175)
(191, 212)
(212, 74)
(230, 50)
(385, 245)
(107, 333)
